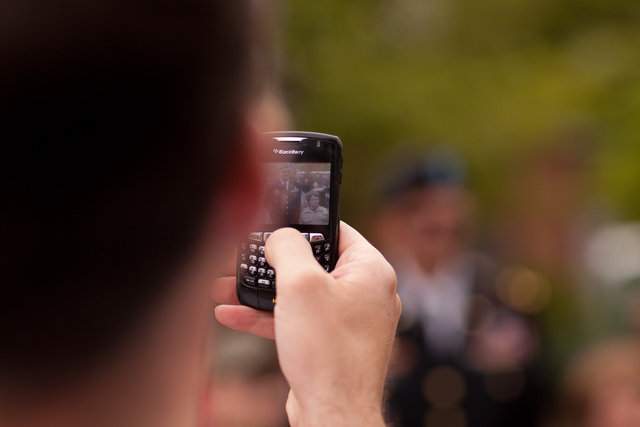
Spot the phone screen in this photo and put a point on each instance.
(297, 187)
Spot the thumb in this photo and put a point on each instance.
(290, 255)
(286, 248)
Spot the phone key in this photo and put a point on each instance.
(255, 236)
(261, 250)
(319, 259)
(250, 280)
(327, 257)
(253, 270)
(271, 273)
(262, 261)
(253, 259)
(327, 247)
(317, 249)
(253, 248)
(244, 267)
(262, 272)
(316, 237)
(327, 267)
(263, 282)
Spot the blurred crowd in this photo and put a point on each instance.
(528, 316)
(523, 314)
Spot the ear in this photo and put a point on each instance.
(237, 204)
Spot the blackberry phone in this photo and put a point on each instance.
(300, 189)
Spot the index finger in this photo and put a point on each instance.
(230, 263)
(358, 258)
(354, 247)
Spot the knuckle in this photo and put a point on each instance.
(398, 307)
(307, 283)
(385, 272)
(306, 276)
(389, 277)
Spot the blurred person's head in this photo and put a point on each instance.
(427, 196)
(285, 172)
(313, 200)
(120, 122)
(438, 220)
(601, 387)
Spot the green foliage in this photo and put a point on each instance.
(490, 78)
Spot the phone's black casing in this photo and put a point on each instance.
(255, 280)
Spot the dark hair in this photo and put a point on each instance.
(436, 167)
(311, 194)
(115, 121)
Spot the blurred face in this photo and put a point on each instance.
(314, 201)
(438, 219)
(615, 403)
(285, 173)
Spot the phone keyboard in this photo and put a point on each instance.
(256, 279)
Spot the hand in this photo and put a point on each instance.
(333, 331)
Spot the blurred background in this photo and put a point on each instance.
(491, 148)
(493, 79)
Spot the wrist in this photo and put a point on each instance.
(337, 414)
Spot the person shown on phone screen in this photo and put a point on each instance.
(283, 196)
(314, 213)
(131, 134)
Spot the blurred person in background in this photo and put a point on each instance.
(555, 236)
(601, 385)
(248, 388)
(462, 357)
(131, 139)
(305, 186)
